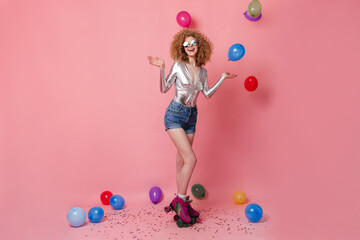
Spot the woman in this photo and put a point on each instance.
(190, 50)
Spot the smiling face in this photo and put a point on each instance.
(190, 46)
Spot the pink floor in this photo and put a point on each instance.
(219, 221)
(46, 219)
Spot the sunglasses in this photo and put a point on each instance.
(187, 44)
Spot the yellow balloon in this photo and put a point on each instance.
(254, 8)
(239, 197)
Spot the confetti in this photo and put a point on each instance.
(154, 223)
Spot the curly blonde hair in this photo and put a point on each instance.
(205, 47)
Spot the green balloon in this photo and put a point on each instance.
(198, 191)
(254, 8)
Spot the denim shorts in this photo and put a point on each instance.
(180, 116)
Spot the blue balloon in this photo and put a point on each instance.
(76, 216)
(117, 202)
(155, 194)
(236, 52)
(253, 212)
(95, 214)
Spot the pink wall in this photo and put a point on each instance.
(81, 111)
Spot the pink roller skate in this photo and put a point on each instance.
(182, 217)
(192, 212)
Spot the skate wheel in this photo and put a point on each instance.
(176, 218)
(167, 209)
(180, 223)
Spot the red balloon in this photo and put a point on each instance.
(105, 197)
(251, 83)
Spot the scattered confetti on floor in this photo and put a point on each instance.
(155, 223)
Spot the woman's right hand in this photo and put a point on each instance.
(156, 61)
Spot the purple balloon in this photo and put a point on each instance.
(155, 194)
(183, 18)
(252, 18)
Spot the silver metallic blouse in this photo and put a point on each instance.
(186, 91)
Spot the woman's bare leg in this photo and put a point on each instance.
(180, 161)
(183, 143)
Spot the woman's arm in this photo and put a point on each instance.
(166, 83)
(209, 92)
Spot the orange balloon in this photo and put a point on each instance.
(239, 197)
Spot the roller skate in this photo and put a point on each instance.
(192, 212)
(182, 217)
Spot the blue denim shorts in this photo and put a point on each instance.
(180, 116)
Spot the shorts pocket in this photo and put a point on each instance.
(174, 109)
(174, 118)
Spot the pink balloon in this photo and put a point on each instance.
(183, 18)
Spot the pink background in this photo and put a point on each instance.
(81, 111)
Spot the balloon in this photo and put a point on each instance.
(95, 214)
(198, 190)
(253, 212)
(254, 19)
(236, 52)
(239, 197)
(254, 8)
(251, 83)
(155, 194)
(76, 216)
(105, 197)
(183, 18)
(117, 202)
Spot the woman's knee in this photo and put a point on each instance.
(191, 160)
(180, 161)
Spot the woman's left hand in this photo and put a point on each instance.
(228, 75)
